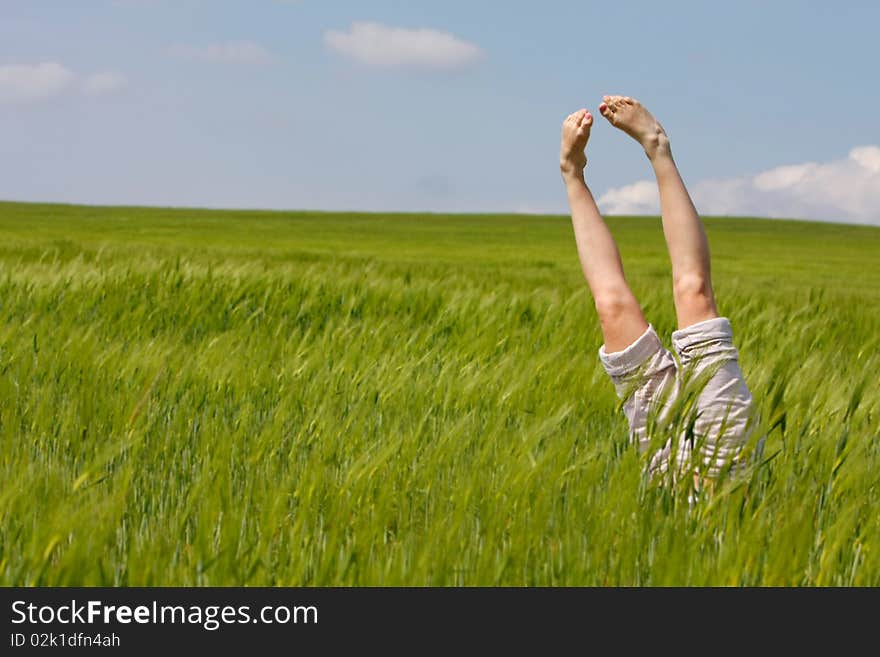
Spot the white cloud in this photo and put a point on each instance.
(846, 190)
(383, 46)
(637, 198)
(230, 52)
(33, 83)
(867, 156)
(103, 83)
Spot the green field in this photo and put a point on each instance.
(195, 397)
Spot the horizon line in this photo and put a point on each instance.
(458, 213)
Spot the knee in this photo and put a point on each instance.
(693, 289)
(614, 304)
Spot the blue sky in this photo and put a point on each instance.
(446, 106)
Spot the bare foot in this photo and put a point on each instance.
(635, 120)
(575, 134)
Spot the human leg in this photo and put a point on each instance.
(644, 377)
(709, 368)
(710, 371)
(682, 228)
(619, 312)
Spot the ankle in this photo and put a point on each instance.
(572, 172)
(657, 146)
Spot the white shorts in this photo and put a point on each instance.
(701, 399)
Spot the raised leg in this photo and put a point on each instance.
(685, 237)
(619, 313)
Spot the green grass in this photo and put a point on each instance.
(251, 398)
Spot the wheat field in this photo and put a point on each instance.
(200, 397)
